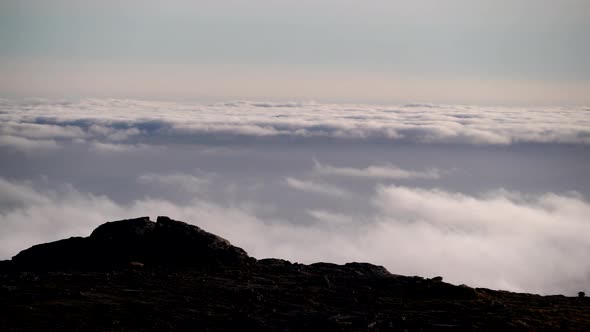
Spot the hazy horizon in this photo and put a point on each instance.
(524, 52)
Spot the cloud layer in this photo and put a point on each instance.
(128, 121)
(417, 188)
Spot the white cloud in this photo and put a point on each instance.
(112, 134)
(115, 148)
(128, 120)
(27, 145)
(316, 188)
(534, 243)
(41, 131)
(332, 218)
(19, 194)
(499, 240)
(386, 171)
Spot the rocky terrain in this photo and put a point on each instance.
(139, 275)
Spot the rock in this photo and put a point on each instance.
(62, 254)
(139, 275)
(136, 265)
(181, 243)
(364, 270)
(166, 243)
(124, 230)
(274, 262)
(5, 266)
(368, 270)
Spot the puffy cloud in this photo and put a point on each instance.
(113, 134)
(316, 188)
(160, 122)
(535, 243)
(379, 172)
(27, 145)
(116, 148)
(19, 195)
(42, 131)
(329, 217)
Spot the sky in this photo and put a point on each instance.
(523, 52)
(435, 138)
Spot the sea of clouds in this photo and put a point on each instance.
(487, 196)
(29, 123)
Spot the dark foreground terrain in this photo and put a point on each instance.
(140, 275)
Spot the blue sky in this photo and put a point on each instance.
(481, 52)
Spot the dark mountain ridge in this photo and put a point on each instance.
(137, 274)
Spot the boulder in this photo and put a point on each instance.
(62, 254)
(165, 243)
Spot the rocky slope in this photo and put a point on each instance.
(139, 275)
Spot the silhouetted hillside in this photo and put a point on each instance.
(139, 275)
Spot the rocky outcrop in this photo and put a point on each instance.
(165, 243)
(139, 275)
